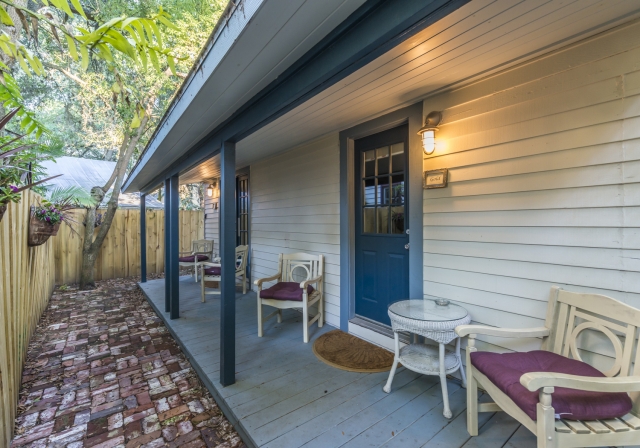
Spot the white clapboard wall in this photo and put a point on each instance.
(212, 221)
(295, 207)
(544, 187)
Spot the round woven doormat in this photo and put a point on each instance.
(347, 352)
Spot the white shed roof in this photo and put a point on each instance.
(89, 173)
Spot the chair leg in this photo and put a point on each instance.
(305, 324)
(472, 396)
(545, 425)
(279, 316)
(321, 311)
(259, 315)
(464, 378)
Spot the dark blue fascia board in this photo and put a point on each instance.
(372, 30)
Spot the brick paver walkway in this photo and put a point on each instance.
(103, 371)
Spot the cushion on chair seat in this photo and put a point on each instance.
(504, 370)
(192, 258)
(285, 291)
(213, 270)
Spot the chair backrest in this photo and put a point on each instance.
(299, 266)
(242, 254)
(569, 314)
(202, 247)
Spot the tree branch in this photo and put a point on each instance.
(67, 73)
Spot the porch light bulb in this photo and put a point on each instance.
(429, 141)
(210, 190)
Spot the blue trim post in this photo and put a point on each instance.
(174, 235)
(143, 238)
(167, 247)
(228, 255)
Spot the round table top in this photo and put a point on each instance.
(427, 310)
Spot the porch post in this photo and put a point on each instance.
(228, 255)
(167, 247)
(143, 238)
(174, 235)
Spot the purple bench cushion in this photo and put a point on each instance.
(192, 258)
(504, 370)
(213, 270)
(285, 291)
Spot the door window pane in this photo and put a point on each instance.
(383, 160)
(397, 157)
(397, 189)
(369, 220)
(397, 220)
(370, 163)
(369, 191)
(383, 190)
(383, 219)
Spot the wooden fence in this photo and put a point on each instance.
(26, 283)
(120, 253)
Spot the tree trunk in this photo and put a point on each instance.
(86, 274)
(89, 255)
(91, 246)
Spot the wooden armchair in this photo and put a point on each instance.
(562, 400)
(201, 250)
(296, 273)
(211, 272)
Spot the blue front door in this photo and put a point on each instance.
(382, 255)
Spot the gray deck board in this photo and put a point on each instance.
(284, 397)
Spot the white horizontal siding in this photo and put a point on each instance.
(544, 187)
(295, 207)
(212, 222)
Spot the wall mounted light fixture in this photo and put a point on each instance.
(211, 188)
(428, 131)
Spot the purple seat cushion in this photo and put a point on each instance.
(192, 258)
(285, 291)
(213, 270)
(504, 370)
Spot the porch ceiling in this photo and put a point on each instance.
(479, 38)
(257, 42)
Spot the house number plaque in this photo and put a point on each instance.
(436, 178)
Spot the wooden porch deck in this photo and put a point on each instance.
(284, 397)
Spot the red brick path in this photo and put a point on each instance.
(103, 371)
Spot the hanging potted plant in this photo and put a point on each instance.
(46, 219)
(44, 222)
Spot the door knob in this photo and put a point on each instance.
(406, 246)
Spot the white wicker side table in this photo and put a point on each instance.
(435, 322)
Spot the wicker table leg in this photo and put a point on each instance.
(387, 387)
(443, 383)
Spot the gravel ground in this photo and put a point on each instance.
(103, 371)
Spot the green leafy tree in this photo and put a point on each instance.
(115, 50)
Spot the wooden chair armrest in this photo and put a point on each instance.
(208, 263)
(260, 281)
(537, 380)
(306, 283)
(472, 330)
